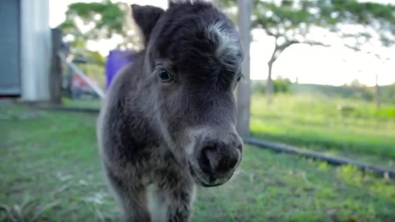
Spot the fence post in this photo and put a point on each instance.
(55, 79)
(244, 88)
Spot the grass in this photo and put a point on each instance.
(49, 171)
(83, 103)
(315, 123)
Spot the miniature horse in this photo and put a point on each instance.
(168, 120)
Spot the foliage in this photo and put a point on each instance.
(108, 18)
(375, 22)
(379, 17)
(97, 57)
(280, 86)
(98, 21)
(94, 56)
(50, 169)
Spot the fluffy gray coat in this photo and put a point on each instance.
(168, 120)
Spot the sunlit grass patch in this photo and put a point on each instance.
(316, 123)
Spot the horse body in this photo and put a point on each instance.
(168, 120)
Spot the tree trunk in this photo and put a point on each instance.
(269, 84)
(377, 92)
(244, 88)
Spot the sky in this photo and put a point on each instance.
(317, 65)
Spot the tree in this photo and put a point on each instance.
(376, 30)
(99, 21)
(355, 83)
(290, 22)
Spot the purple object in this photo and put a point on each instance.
(115, 61)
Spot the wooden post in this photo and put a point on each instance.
(377, 92)
(55, 79)
(244, 88)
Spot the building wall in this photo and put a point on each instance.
(35, 50)
(10, 83)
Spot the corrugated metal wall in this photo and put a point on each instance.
(10, 47)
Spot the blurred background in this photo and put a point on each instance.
(321, 82)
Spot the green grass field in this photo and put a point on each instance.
(315, 123)
(49, 171)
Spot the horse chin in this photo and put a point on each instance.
(195, 176)
(198, 180)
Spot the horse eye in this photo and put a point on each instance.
(238, 78)
(165, 76)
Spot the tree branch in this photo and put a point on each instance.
(270, 33)
(355, 48)
(312, 43)
(288, 44)
(280, 48)
(377, 55)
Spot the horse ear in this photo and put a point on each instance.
(146, 17)
(175, 2)
(172, 3)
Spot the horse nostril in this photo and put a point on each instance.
(232, 163)
(207, 159)
(227, 163)
(213, 159)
